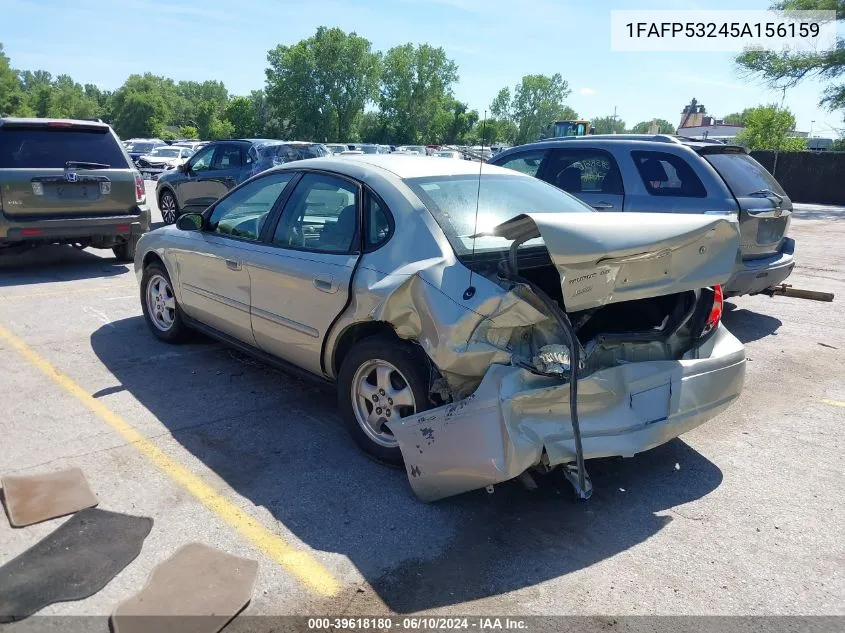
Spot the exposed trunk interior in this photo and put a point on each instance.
(657, 328)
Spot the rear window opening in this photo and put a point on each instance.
(46, 148)
(743, 174)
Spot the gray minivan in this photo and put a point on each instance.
(660, 173)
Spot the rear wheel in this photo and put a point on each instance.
(158, 302)
(381, 380)
(168, 207)
(126, 252)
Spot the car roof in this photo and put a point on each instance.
(602, 139)
(400, 165)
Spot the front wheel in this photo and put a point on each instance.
(381, 380)
(158, 302)
(168, 207)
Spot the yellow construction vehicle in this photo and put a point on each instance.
(570, 127)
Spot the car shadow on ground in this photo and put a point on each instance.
(278, 442)
(46, 264)
(748, 325)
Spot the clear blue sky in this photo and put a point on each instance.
(494, 43)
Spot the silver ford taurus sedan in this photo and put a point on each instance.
(478, 325)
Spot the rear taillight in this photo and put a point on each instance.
(715, 315)
(140, 193)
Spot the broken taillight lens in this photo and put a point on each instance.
(715, 315)
(140, 193)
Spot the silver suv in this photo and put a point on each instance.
(659, 173)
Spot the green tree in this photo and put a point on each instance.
(663, 127)
(206, 117)
(769, 128)
(69, 101)
(144, 95)
(416, 92)
(458, 121)
(188, 131)
(373, 127)
(608, 125)
(784, 70)
(537, 101)
(12, 100)
(141, 114)
(492, 132)
(190, 94)
(240, 112)
(322, 83)
(221, 128)
(737, 118)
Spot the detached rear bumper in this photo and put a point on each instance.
(503, 428)
(759, 274)
(107, 229)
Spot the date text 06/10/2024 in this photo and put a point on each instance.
(421, 623)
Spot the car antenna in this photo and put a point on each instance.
(469, 293)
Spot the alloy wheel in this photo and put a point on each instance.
(381, 394)
(168, 208)
(161, 303)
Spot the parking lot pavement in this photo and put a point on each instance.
(741, 516)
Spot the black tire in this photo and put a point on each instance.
(178, 331)
(165, 200)
(409, 360)
(126, 252)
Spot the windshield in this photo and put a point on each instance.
(743, 174)
(166, 152)
(452, 202)
(42, 147)
(369, 149)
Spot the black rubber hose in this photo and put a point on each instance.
(574, 361)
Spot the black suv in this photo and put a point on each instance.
(219, 166)
(68, 182)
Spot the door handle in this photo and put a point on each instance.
(601, 205)
(326, 284)
(231, 264)
(776, 212)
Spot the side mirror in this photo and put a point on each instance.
(183, 167)
(190, 222)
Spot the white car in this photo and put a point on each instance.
(162, 159)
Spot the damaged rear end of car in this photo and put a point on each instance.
(604, 338)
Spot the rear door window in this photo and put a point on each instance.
(42, 147)
(743, 174)
(666, 174)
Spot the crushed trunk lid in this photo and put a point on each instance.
(606, 258)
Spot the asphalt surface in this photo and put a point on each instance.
(742, 516)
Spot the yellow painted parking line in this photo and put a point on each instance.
(58, 293)
(300, 563)
(834, 403)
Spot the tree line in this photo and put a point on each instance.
(330, 87)
(333, 87)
